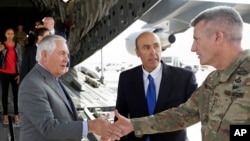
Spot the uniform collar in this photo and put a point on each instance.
(224, 75)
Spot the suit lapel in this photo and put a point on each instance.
(66, 101)
(166, 85)
(141, 94)
(50, 80)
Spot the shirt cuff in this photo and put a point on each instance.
(85, 129)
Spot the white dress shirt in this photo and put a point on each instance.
(156, 74)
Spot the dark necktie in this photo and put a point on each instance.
(151, 97)
(66, 95)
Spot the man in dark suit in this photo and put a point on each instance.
(173, 86)
(49, 23)
(46, 110)
(29, 55)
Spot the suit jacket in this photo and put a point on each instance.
(176, 86)
(61, 34)
(28, 61)
(44, 112)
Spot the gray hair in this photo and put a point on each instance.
(223, 18)
(48, 43)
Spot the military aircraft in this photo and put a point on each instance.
(91, 24)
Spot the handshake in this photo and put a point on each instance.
(111, 131)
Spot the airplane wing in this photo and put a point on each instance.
(170, 17)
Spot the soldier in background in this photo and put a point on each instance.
(21, 37)
(223, 99)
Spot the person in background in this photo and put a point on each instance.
(21, 37)
(49, 23)
(173, 86)
(47, 111)
(29, 55)
(38, 24)
(223, 99)
(10, 68)
(31, 38)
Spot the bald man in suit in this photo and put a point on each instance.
(173, 87)
(49, 22)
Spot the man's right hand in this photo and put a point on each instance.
(123, 123)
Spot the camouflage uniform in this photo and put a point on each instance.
(222, 100)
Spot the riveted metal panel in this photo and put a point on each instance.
(120, 16)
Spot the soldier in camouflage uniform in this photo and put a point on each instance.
(224, 97)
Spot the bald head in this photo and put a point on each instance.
(148, 48)
(49, 23)
(143, 35)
